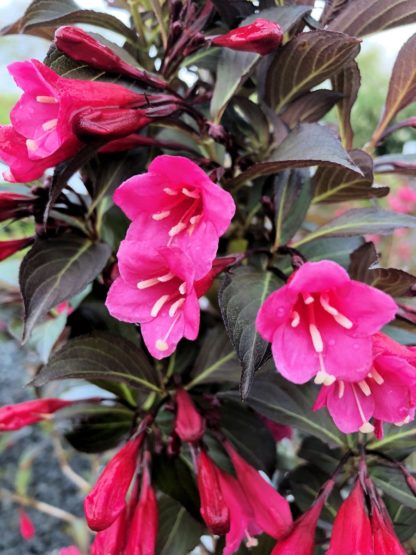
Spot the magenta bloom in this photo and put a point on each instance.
(14, 417)
(27, 528)
(155, 289)
(321, 322)
(262, 36)
(176, 204)
(189, 424)
(41, 134)
(107, 499)
(352, 516)
(392, 376)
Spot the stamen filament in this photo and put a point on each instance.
(158, 305)
(48, 125)
(343, 321)
(147, 283)
(316, 337)
(366, 427)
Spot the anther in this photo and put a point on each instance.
(190, 194)
(175, 307)
(147, 283)
(177, 229)
(343, 321)
(182, 288)
(341, 389)
(318, 344)
(48, 125)
(161, 215)
(295, 319)
(324, 300)
(365, 388)
(31, 145)
(308, 299)
(366, 428)
(195, 219)
(376, 377)
(158, 305)
(170, 191)
(166, 277)
(46, 99)
(161, 345)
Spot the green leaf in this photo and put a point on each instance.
(249, 435)
(310, 144)
(93, 428)
(347, 82)
(304, 62)
(292, 197)
(320, 455)
(392, 482)
(396, 283)
(361, 221)
(178, 532)
(363, 17)
(398, 442)
(100, 356)
(340, 184)
(56, 269)
(310, 107)
(44, 16)
(242, 293)
(291, 404)
(234, 67)
(216, 362)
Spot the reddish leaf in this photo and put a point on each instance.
(310, 107)
(347, 82)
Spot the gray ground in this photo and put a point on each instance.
(47, 482)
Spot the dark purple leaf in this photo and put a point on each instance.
(310, 107)
(347, 82)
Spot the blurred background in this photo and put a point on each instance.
(61, 483)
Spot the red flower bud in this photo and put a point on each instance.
(213, 509)
(7, 248)
(385, 540)
(110, 123)
(13, 205)
(189, 424)
(14, 417)
(271, 510)
(82, 47)
(27, 529)
(144, 523)
(107, 500)
(112, 540)
(262, 36)
(301, 538)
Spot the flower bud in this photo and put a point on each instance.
(14, 205)
(14, 417)
(213, 509)
(189, 424)
(111, 541)
(7, 248)
(262, 36)
(109, 123)
(27, 529)
(385, 540)
(107, 500)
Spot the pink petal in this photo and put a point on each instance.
(275, 311)
(141, 194)
(313, 277)
(163, 328)
(34, 77)
(219, 206)
(345, 411)
(127, 303)
(178, 170)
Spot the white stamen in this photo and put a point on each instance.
(46, 99)
(250, 541)
(160, 215)
(376, 377)
(48, 125)
(316, 337)
(158, 305)
(366, 428)
(343, 321)
(166, 277)
(365, 388)
(161, 345)
(182, 288)
(324, 300)
(341, 389)
(308, 299)
(177, 229)
(175, 306)
(170, 191)
(295, 319)
(31, 145)
(190, 194)
(323, 378)
(147, 283)
(195, 219)
(403, 422)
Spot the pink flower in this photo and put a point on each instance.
(27, 529)
(352, 516)
(262, 36)
(271, 510)
(392, 376)
(112, 540)
(143, 527)
(176, 204)
(156, 289)
(107, 499)
(14, 417)
(41, 134)
(243, 525)
(214, 511)
(321, 322)
(301, 538)
(189, 424)
(9, 247)
(385, 540)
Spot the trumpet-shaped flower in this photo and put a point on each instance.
(42, 134)
(175, 204)
(189, 424)
(14, 417)
(156, 289)
(321, 322)
(262, 36)
(392, 376)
